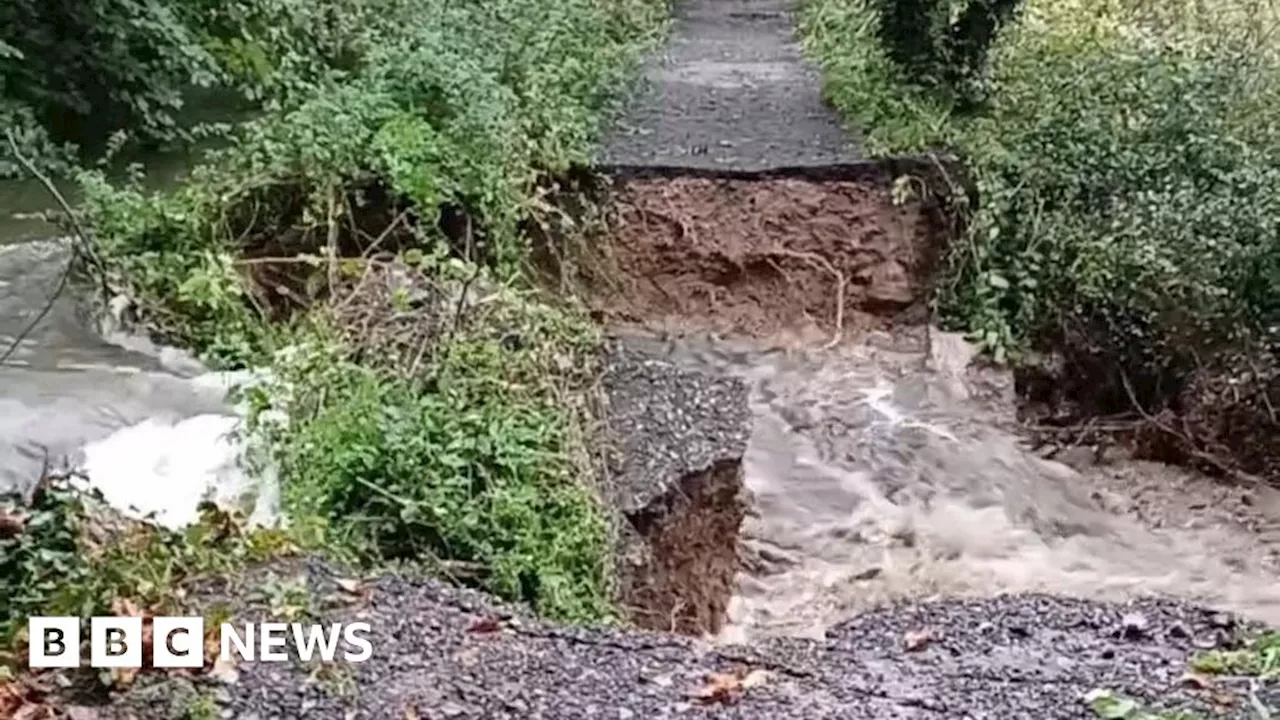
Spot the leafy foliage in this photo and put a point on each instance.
(1125, 168)
(73, 557)
(1260, 657)
(474, 459)
(942, 44)
(465, 111)
(84, 71)
(471, 467)
(104, 62)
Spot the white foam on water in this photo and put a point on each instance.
(156, 431)
(162, 469)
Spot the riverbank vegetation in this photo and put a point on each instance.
(363, 243)
(78, 80)
(1124, 209)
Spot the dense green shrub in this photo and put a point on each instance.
(464, 111)
(941, 44)
(475, 455)
(471, 470)
(99, 63)
(1126, 167)
(82, 71)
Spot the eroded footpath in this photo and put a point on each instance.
(742, 208)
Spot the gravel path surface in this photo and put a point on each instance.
(730, 92)
(670, 422)
(441, 652)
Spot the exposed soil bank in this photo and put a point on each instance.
(801, 253)
(692, 537)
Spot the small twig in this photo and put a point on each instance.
(685, 230)
(654, 282)
(350, 213)
(71, 262)
(1096, 426)
(86, 246)
(355, 292)
(674, 617)
(332, 240)
(1266, 399)
(48, 306)
(1083, 432)
(466, 286)
(1058, 448)
(293, 260)
(253, 220)
(670, 219)
(385, 234)
(424, 341)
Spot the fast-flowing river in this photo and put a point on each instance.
(890, 470)
(149, 424)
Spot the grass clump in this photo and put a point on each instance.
(1259, 658)
(1124, 199)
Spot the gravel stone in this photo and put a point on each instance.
(1031, 656)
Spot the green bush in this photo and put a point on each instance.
(472, 467)
(466, 111)
(1125, 168)
(941, 44)
(87, 64)
(475, 456)
(84, 71)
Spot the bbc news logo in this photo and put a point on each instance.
(179, 642)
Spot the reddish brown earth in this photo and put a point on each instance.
(760, 256)
(692, 535)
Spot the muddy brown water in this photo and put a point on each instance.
(889, 468)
